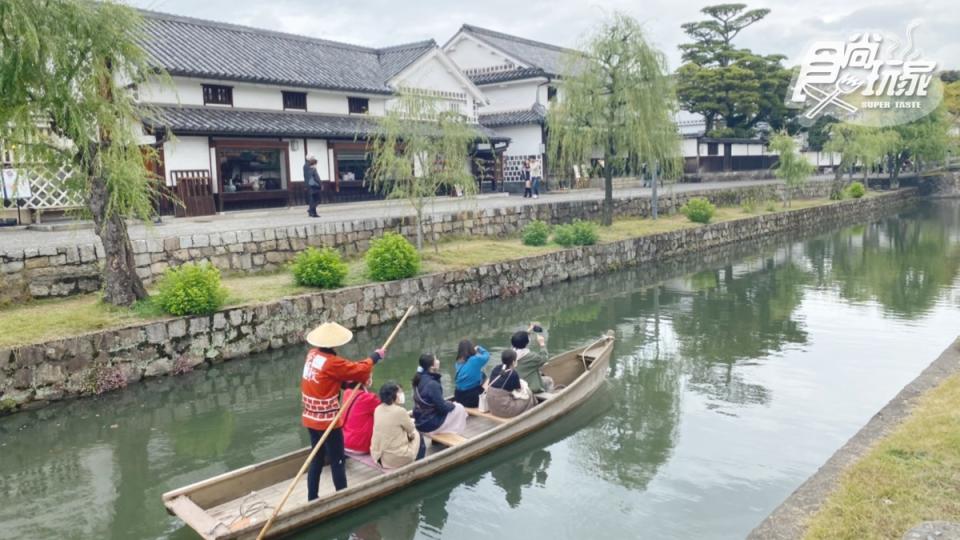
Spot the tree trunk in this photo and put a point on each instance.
(654, 201)
(121, 284)
(607, 216)
(419, 218)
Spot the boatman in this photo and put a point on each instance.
(323, 374)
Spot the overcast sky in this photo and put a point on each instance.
(789, 29)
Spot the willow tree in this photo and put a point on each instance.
(792, 167)
(421, 149)
(67, 69)
(617, 100)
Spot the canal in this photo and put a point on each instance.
(733, 378)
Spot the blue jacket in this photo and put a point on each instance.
(429, 408)
(470, 371)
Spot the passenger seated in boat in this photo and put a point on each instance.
(530, 363)
(396, 441)
(431, 412)
(470, 377)
(323, 373)
(358, 419)
(508, 395)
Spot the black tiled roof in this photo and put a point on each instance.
(189, 120)
(534, 115)
(504, 76)
(549, 58)
(199, 48)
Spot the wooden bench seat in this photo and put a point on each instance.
(489, 416)
(448, 439)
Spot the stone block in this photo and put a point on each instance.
(156, 333)
(177, 328)
(201, 241)
(171, 244)
(199, 325)
(186, 242)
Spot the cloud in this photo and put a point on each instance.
(789, 29)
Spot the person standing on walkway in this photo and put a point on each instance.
(312, 179)
(323, 374)
(527, 181)
(536, 175)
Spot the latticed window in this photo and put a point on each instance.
(295, 100)
(358, 105)
(215, 94)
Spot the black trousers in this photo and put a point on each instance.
(468, 398)
(333, 451)
(313, 196)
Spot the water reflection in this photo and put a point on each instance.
(697, 341)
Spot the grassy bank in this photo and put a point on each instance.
(911, 475)
(56, 318)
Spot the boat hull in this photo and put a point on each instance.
(184, 502)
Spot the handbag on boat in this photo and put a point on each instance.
(482, 404)
(523, 394)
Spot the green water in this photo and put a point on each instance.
(732, 380)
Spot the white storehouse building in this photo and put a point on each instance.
(248, 105)
(519, 78)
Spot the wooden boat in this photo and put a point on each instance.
(236, 504)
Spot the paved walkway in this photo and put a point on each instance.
(18, 239)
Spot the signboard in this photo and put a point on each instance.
(15, 185)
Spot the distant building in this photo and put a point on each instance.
(518, 77)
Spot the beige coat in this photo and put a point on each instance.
(395, 440)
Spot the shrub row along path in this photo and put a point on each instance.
(13, 240)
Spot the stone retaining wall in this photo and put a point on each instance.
(102, 361)
(63, 271)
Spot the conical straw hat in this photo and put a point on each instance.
(329, 335)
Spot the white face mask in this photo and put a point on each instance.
(401, 399)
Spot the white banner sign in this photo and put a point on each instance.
(15, 186)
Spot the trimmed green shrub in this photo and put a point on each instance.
(585, 233)
(392, 257)
(319, 268)
(578, 233)
(536, 233)
(698, 210)
(856, 190)
(564, 235)
(191, 289)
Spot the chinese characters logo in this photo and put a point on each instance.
(869, 79)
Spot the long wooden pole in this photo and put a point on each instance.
(326, 433)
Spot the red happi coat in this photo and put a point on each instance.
(320, 388)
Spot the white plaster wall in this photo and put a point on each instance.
(689, 147)
(296, 159)
(470, 54)
(318, 149)
(247, 96)
(176, 91)
(524, 140)
(434, 74)
(185, 153)
(510, 97)
(188, 91)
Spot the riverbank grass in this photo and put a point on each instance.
(911, 475)
(44, 320)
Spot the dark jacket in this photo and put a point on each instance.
(429, 407)
(310, 175)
